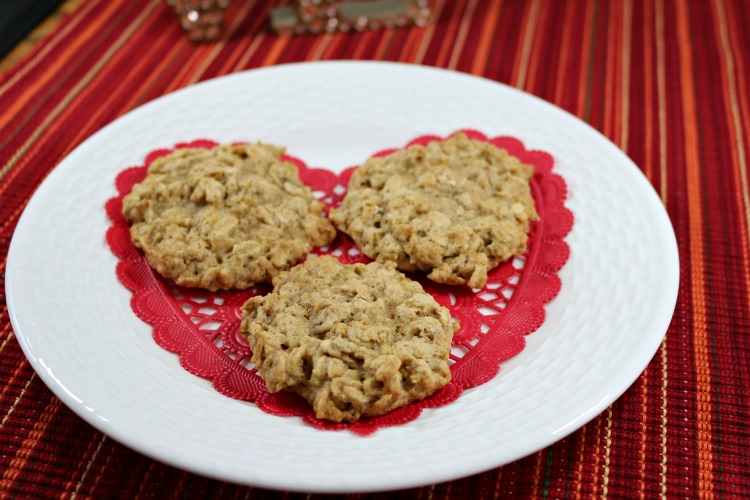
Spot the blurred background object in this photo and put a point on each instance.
(201, 19)
(316, 16)
(19, 17)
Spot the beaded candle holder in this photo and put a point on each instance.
(201, 19)
(317, 16)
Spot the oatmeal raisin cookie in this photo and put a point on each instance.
(224, 218)
(354, 340)
(454, 209)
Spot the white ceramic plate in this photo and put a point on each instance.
(73, 320)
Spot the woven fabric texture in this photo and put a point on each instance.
(667, 81)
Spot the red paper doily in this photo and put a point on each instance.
(203, 327)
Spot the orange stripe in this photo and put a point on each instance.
(252, 44)
(386, 36)
(658, 22)
(318, 47)
(524, 23)
(65, 107)
(411, 44)
(583, 89)
(597, 451)
(612, 99)
(21, 458)
(250, 52)
(57, 87)
(648, 92)
(486, 39)
(735, 104)
(742, 97)
(334, 46)
(579, 461)
(167, 62)
(616, 74)
(644, 433)
(695, 209)
(130, 86)
(189, 67)
(181, 482)
(462, 33)
(538, 45)
(274, 53)
(23, 363)
(614, 53)
(449, 36)
(13, 218)
(661, 84)
(52, 42)
(538, 460)
(565, 52)
(625, 46)
(201, 53)
(144, 481)
(435, 14)
(89, 463)
(609, 79)
(53, 70)
(663, 423)
(6, 329)
(364, 42)
(607, 451)
(243, 46)
(101, 473)
(237, 20)
(91, 450)
(20, 463)
(498, 482)
(6, 332)
(520, 68)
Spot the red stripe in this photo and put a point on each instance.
(677, 116)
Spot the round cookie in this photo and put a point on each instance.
(224, 218)
(354, 340)
(454, 209)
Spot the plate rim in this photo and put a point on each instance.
(469, 467)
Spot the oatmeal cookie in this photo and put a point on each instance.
(354, 340)
(454, 209)
(224, 218)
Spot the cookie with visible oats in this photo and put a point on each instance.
(454, 209)
(226, 217)
(354, 340)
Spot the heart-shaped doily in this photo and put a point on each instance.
(203, 327)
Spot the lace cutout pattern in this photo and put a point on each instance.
(203, 327)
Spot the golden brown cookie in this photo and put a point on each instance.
(454, 209)
(354, 340)
(224, 218)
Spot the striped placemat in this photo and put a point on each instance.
(667, 81)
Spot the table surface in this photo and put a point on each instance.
(666, 81)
